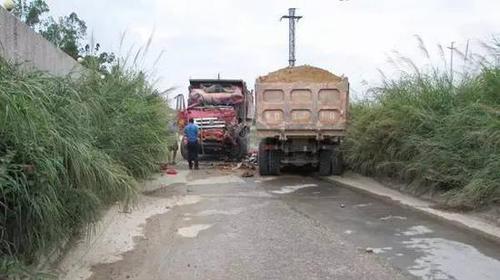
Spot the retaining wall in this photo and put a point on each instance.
(21, 45)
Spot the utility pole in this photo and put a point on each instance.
(452, 50)
(466, 56)
(292, 18)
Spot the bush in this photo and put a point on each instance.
(68, 149)
(418, 128)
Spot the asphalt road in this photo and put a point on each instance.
(296, 227)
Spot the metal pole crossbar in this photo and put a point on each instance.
(292, 19)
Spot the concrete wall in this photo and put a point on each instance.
(21, 45)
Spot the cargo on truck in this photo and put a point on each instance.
(223, 111)
(301, 119)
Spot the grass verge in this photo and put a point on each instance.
(420, 129)
(68, 148)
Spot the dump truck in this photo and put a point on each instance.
(223, 111)
(301, 119)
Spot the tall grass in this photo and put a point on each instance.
(69, 148)
(420, 129)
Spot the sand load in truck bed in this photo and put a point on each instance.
(303, 73)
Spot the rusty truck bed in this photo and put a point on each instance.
(301, 109)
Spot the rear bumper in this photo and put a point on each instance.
(316, 134)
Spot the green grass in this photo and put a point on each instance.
(420, 129)
(67, 150)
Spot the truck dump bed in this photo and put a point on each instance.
(301, 101)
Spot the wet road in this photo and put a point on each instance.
(296, 227)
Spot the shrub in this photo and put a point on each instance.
(418, 128)
(68, 148)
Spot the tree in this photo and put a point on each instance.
(30, 12)
(67, 33)
(96, 59)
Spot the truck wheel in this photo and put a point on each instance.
(337, 163)
(274, 162)
(325, 162)
(263, 159)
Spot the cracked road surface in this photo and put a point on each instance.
(294, 227)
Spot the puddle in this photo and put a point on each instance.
(417, 230)
(291, 189)
(265, 179)
(230, 212)
(393, 218)
(192, 231)
(211, 212)
(217, 180)
(445, 259)
(362, 205)
(381, 250)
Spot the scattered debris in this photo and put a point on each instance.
(249, 163)
(252, 157)
(163, 166)
(171, 171)
(247, 174)
(238, 166)
(224, 166)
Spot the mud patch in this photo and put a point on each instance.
(115, 234)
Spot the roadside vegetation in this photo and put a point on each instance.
(440, 137)
(68, 149)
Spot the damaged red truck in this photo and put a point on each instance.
(223, 111)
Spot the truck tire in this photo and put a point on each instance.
(274, 162)
(263, 159)
(325, 162)
(337, 163)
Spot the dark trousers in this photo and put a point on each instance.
(192, 148)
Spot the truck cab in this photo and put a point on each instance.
(223, 111)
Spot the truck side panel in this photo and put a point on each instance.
(301, 109)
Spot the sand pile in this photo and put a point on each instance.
(304, 73)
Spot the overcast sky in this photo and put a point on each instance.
(245, 39)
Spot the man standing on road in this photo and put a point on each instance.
(191, 133)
